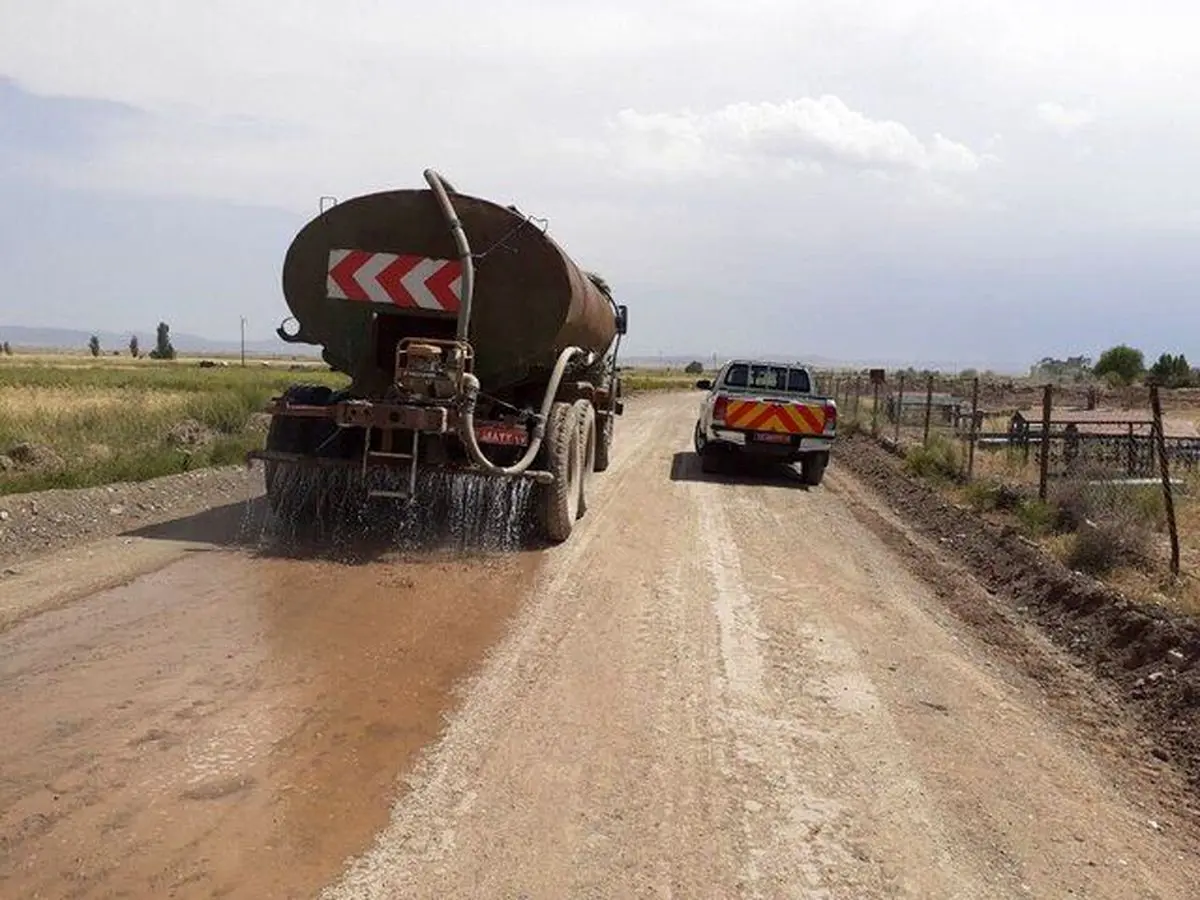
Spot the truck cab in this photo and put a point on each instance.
(767, 413)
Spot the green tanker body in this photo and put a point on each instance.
(473, 343)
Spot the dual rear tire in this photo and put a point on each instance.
(572, 450)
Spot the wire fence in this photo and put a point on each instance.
(1107, 479)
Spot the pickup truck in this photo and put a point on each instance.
(765, 412)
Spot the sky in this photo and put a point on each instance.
(980, 182)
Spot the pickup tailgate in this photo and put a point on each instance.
(785, 417)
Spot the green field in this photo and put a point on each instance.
(74, 422)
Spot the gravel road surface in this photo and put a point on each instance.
(716, 688)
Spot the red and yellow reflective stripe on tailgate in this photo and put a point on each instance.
(781, 418)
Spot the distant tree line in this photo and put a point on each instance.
(1120, 366)
(163, 349)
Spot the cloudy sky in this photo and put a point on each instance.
(976, 182)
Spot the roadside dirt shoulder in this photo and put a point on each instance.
(1147, 655)
(33, 525)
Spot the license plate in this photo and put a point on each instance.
(504, 435)
(767, 437)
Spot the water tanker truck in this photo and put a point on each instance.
(473, 345)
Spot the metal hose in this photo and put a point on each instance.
(438, 185)
(466, 430)
(466, 426)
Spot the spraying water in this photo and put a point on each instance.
(454, 513)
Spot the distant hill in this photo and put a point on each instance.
(70, 339)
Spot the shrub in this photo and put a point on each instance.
(1098, 549)
(939, 461)
(1037, 517)
(991, 494)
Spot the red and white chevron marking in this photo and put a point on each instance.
(410, 282)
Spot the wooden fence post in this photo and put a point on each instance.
(1164, 467)
(875, 410)
(1044, 456)
(899, 409)
(928, 407)
(974, 429)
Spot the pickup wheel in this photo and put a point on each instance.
(698, 439)
(712, 460)
(558, 503)
(812, 468)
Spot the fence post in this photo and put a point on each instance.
(875, 411)
(974, 429)
(1164, 467)
(1131, 454)
(928, 407)
(899, 409)
(1044, 456)
(857, 394)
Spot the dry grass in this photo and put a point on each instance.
(97, 422)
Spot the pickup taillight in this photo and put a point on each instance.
(830, 418)
(719, 407)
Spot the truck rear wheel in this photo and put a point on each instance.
(605, 425)
(290, 434)
(585, 415)
(558, 505)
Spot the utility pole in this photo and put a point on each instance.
(243, 342)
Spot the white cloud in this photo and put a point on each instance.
(800, 136)
(862, 129)
(1062, 119)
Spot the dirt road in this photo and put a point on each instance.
(712, 690)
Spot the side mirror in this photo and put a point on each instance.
(622, 319)
(704, 384)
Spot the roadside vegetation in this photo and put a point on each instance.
(1090, 521)
(73, 421)
(81, 425)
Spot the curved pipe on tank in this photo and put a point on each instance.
(467, 420)
(438, 185)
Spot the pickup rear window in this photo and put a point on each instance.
(768, 378)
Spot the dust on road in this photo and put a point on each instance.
(712, 690)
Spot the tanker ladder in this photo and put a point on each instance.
(389, 454)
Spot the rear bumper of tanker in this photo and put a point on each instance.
(432, 423)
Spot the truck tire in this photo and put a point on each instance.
(585, 416)
(812, 468)
(290, 495)
(558, 506)
(605, 425)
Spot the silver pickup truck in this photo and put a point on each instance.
(765, 412)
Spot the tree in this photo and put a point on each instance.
(694, 368)
(7, 349)
(1122, 363)
(1073, 368)
(94, 345)
(162, 348)
(133, 346)
(1171, 371)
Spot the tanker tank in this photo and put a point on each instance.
(474, 346)
(347, 282)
